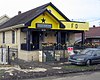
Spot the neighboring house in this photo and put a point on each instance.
(92, 37)
(3, 19)
(43, 26)
(3, 53)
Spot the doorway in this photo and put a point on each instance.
(35, 39)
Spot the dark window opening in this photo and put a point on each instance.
(13, 36)
(3, 37)
(46, 34)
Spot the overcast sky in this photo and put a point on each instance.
(82, 10)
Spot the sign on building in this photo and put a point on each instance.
(70, 50)
(42, 25)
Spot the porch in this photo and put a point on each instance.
(46, 39)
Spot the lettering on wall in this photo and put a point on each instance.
(42, 25)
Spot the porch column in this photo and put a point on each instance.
(83, 39)
(40, 40)
(67, 37)
(59, 40)
(28, 40)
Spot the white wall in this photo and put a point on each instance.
(8, 37)
(0, 37)
(51, 38)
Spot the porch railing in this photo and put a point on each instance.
(44, 46)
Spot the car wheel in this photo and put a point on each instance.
(88, 62)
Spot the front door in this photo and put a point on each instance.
(63, 37)
(35, 39)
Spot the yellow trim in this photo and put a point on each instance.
(55, 24)
(76, 26)
(55, 13)
(48, 20)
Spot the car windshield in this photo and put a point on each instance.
(84, 51)
(87, 52)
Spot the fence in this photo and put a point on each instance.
(54, 52)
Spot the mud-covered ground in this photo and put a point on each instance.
(32, 70)
(74, 76)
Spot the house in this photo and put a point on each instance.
(3, 19)
(92, 37)
(42, 27)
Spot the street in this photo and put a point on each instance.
(74, 76)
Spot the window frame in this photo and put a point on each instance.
(13, 37)
(3, 35)
(96, 52)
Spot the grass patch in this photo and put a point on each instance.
(75, 67)
(1, 73)
(2, 65)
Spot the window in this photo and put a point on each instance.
(96, 40)
(89, 52)
(46, 34)
(3, 37)
(97, 52)
(13, 36)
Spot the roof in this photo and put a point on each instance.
(27, 16)
(3, 19)
(94, 32)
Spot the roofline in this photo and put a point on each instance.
(42, 13)
(78, 22)
(28, 22)
(4, 16)
(59, 12)
(73, 21)
(13, 27)
(23, 25)
(94, 27)
(50, 3)
(55, 17)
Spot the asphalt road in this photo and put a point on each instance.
(74, 76)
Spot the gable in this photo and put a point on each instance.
(55, 13)
(52, 15)
(69, 25)
(49, 20)
(3, 19)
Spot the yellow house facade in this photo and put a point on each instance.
(40, 29)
